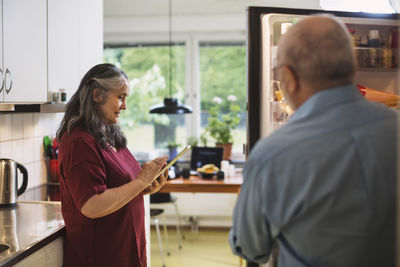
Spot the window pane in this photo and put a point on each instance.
(223, 73)
(149, 72)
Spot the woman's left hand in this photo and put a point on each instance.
(156, 184)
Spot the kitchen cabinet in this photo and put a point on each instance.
(90, 34)
(75, 41)
(50, 255)
(46, 45)
(63, 45)
(24, 50)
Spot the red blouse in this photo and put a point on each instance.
(117, 239)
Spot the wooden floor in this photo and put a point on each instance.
(205, 248)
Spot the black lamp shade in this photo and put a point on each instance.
(170, 106)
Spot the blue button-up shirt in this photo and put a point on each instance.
(322, 188)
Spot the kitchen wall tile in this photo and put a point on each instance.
(19, 151)
(21, 139)
(23, 196)
(38, 124)
(28, 128)
(41, 172)
(32, 177)
(55, 122)
(40, 193)
(28, 148)
(5, 127)
(38, 150)
(48, 124)
(17, 129)
(7, 150)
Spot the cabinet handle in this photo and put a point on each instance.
(2, 80)
(11, 81)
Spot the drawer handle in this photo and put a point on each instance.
(2, 80)
(11, 81)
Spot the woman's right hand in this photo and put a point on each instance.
(151, 168)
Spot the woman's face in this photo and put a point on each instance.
(115, 102)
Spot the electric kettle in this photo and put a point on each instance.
(9, 190)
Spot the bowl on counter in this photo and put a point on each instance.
(207, 175)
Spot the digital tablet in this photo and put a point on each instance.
(173, 161)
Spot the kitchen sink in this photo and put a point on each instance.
(3, 247)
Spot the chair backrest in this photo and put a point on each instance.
(205, 155)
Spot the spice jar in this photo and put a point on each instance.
(63, 95)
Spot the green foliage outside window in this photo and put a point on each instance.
(148, 70)
(220, 125)
(222, 71)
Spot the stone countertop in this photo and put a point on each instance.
(28, 227)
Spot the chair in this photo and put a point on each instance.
(154, 213)
(166, 198)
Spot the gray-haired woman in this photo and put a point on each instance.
(102, 185)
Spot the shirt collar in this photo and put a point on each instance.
(327, 98)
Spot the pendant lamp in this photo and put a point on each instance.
(170, 105)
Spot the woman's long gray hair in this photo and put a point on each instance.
(82, 110)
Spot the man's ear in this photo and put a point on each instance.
(291, 82)
(97, 95)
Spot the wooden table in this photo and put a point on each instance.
(196, 184)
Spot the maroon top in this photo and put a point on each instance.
(117, 239)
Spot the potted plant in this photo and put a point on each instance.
(223, 119)
(172, 149)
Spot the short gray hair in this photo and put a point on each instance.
(319, 56)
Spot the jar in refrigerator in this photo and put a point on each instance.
(387, 52)
(361, 57)
(372, 57)
(374, 39)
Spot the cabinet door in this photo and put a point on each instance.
(1, 53)
(63, 45)
(25, 50)
(90, 34)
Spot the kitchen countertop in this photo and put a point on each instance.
(27, 227)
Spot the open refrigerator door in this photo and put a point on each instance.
(376, 48)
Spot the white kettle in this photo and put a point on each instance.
(9, 190)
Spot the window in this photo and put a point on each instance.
(220, 68)
(147, 67)
(223, 73)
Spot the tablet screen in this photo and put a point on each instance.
(173, 161)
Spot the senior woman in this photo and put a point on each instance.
(101, 184)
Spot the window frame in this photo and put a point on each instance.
(192, 73)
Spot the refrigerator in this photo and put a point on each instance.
(376, 45)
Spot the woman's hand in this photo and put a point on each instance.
(151, 168)
(157, 183)
(112, 199)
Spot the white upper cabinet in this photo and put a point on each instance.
(46, 45)
(90, 34)
(75, 41)
(24, 51)
(63, 45)
(1, 54)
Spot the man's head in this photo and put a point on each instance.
(314, 54)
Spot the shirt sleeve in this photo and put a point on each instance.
(84, 170)
(250, 236)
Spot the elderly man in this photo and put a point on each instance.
(322, 188)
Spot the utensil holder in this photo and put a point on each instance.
(54, 171)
